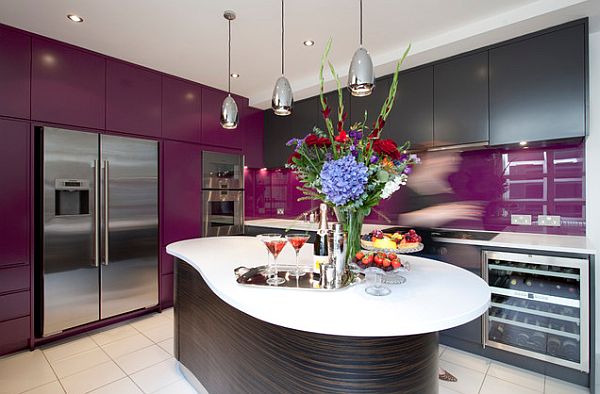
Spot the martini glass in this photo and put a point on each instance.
(274, 244)
(297, 241)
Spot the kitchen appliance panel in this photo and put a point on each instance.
(129, 278)
(223, 212)
(222, 170)
(70, 249)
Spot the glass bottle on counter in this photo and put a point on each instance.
(321, 255)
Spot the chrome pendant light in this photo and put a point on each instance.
(283, 97)
(229, 109)
(361, 78)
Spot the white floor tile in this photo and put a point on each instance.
(68, 348)
(516, 375)
(157, 376)
(123, 386)
(92, 378)
(469, 380)
(480, 364)
(179, 387)
(168, 312)
(49, 388)
(441, 349)
(147, 322)
(493, 385)
(168, 346)
(79, 362)
(555, 386)
(127, 345)
(23, 371)
(446, 390)
(140, 359)
(107, 336)
(160, 332)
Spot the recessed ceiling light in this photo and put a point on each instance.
(75, 18)
(523, 143)
(309, 43)
(235, 75)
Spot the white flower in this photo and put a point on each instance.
(393, 185)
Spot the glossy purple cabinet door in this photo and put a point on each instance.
(133, 99)
(252, 127)
(67, 85)
(212, 132)
(182, 194)
(181, 110)
(15, 70)
(15, 198)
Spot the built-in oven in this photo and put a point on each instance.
(222, 194)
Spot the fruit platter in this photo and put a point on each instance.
(390, 263)
(398, 242)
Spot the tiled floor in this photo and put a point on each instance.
(137, 357)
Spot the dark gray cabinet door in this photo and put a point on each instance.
(537, 88)
(411, 118)
(461, 100)
(278, 130)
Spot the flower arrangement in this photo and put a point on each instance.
(350, 170)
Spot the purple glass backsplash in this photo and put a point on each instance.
(474, 190)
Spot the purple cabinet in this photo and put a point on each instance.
(182, 194)
(14, 334)
(67, 85)
(15, 198)
(252, 127)
(133, 99)
(181, 110)
(15, 70)
(212, 132)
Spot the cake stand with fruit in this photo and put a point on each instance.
(377, 240)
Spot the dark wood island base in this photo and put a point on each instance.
(229, 351)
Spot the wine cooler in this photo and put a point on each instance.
(539, 307)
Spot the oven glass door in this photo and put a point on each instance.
(223, 212)
(222, 171)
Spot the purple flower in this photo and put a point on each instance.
(328, 156)
(356, 135)
(297, 141)
(407, 170)
(374, 159)
(344, 179)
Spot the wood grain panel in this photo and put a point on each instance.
(232, 352)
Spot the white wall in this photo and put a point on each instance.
(592, 157)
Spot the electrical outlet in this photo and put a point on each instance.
(520, 220)
(548, 220)
(280, 211)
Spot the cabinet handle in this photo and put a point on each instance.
(96, 216)
(106, 215)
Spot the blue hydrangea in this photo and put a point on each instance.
(343, 180)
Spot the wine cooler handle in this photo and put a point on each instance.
(96, 216)
(106, 216)
(485, 316)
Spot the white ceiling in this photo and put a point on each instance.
(188, 38)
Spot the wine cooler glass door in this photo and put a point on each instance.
(539, 307)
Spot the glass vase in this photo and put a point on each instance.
(352, 221)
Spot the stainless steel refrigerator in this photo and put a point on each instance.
(100, 227)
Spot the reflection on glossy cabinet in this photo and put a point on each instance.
(181, 109)
(67, 85)
(278, 130)
(15, 68)
(212, 132)
(461, 100)
(133, 99)
(15, 198)
(253, 138)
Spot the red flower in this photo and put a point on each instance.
(294, 155)
(342, 137)
(326, 111)
(387, 148)
(313, 140)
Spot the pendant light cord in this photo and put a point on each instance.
(282, 40)
(229, 61)
(361, 20)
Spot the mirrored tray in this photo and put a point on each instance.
(393, 277)
(258, 276)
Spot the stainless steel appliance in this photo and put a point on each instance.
(222, 194)
(540, 307)
(100, 227)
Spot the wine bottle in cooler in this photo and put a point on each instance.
(321, 252)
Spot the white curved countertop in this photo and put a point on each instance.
(436, 296)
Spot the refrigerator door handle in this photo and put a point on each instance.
(106, 217)
(96, 216)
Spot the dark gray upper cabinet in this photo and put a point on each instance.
(461, 100)
(411, 118)
(278, 130)
(538, 87)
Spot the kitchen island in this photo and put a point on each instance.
(234, 338)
